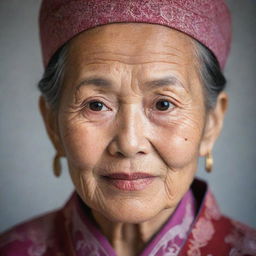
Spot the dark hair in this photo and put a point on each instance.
(51, 83)
(209, 69)
(211, 75)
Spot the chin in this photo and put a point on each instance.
(131, 212)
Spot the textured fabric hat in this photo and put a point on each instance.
(207, 21)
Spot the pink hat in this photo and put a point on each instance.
(208, 21)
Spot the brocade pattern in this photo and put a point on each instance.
(207, 21)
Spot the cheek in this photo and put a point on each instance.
(178, 141)
(83, 144)
(178, 146)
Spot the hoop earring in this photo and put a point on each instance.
(57, 165)
(208, 162)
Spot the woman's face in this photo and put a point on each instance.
(131, 119)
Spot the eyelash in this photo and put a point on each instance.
(172, 105)
(86, 105)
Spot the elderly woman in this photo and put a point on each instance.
(132, 95)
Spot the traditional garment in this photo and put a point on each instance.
(207, 21)
(190, 231)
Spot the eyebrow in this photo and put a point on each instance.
(103, 82)
(169, 80)
(97, 81)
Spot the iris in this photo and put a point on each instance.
(96, 106)
(163, 105)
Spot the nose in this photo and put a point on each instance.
(129, 137)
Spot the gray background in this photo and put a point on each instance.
(27, 185)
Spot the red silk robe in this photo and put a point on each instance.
(196, 228)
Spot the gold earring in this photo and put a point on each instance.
(208, 162)
(57, 165)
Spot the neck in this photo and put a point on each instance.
(130, 239)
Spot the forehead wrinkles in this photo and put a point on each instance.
(110, 52)
(115, 63)
(131, 44)
(131, 54)
(137, 59)
(135, 74)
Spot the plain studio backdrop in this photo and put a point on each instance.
(27, 184)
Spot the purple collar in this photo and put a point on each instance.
(87, 238)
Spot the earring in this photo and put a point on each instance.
(208, 162)
(57, 165)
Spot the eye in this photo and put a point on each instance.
(97, 106)
(163, 105)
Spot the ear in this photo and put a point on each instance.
(51, 125)
(213, 125)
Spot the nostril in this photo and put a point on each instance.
(119, 154)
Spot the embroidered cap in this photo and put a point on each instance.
(207, 21)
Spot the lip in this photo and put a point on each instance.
(129, 181)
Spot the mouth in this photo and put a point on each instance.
(129, 182)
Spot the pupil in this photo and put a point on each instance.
(163, 105)
(96, 106)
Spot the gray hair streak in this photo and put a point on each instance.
(211, 75)
(51, 83)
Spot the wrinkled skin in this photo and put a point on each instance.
(129, 132)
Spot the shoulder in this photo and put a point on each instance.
(223, 236)
(240, 237)
(215, 234)
(34, 237)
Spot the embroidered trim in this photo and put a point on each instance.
(204, 229)
(85, 243)
(167, 243)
